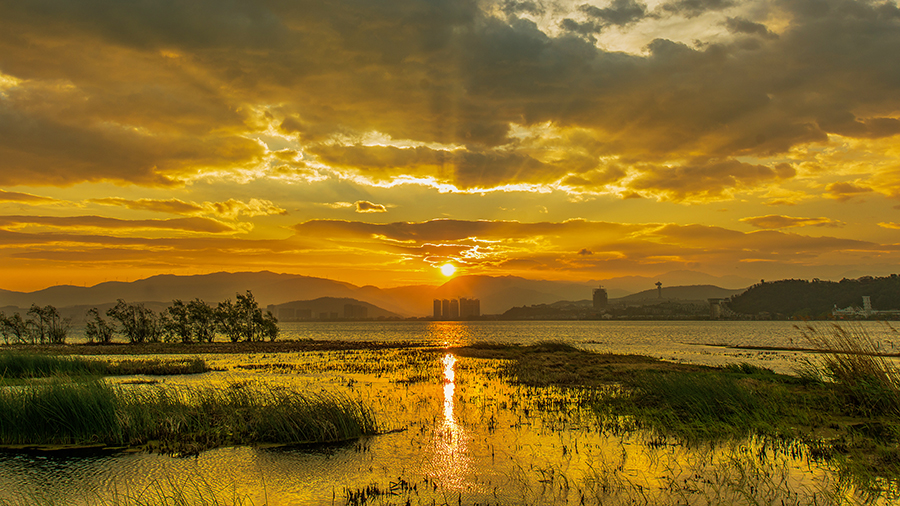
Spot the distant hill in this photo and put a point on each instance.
(799, 297)
(624, 285)
(267, 288)
(330, 305)
(497, 293)
(683, 293)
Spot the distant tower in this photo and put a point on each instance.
(867, 305)
(659, 289)
(601, 299)
(437, 309)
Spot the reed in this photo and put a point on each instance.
(866, 380)
(180, 420)
(33, 365)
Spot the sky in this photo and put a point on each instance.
(374, 141)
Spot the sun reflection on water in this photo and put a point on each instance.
(451, 459)
(449, 333)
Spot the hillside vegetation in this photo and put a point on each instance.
(800, 297)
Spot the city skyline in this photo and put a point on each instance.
(379, 143)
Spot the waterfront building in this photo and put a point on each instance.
(355, 312)
(601, 298)
(469, 308)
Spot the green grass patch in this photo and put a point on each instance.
(181, 420)
(32, 365)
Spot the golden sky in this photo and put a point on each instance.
(372, 141)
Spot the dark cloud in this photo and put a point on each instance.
(619, 13)
(846, 191)
(694, 8)
(364, 206)
(131, 92)
(584, 28)
(745, 26)
(465, 169)
(707, 178)
(513, 7)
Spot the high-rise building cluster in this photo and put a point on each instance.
(456, 309)
(355, 312)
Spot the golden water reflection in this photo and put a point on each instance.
(449, 333)
(451, 460)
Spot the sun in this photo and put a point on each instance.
(448, 269)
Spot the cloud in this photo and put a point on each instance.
(846, 191)
(204, 225)
(486, 244)
(173, 206)
(707, 179)
(747, 27)
(25, 198)
(694, 8)
(776, 221)
(100, 91)
(620, 12)
(462, 168)
(230, 209)
(364, 206)
(890, 225)
(512, 7)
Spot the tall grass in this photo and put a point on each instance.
(852, 359)
(175, 419)
(32, 365)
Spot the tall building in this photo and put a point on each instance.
(454, 309)
(437, 309)
(445, 309)
(355, 312)
(469, 308)
(601, 299)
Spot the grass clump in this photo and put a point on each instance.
(715, 404)
(158, 367)
(181, 420)
(868, 383)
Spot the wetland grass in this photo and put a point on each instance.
(852, 360)
(181, 420)
(16, 365)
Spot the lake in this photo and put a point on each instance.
(456, 434)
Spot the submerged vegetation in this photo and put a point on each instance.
(179, 420)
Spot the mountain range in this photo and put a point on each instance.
(497, 294)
